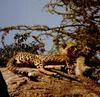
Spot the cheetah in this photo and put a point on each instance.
(26, 59)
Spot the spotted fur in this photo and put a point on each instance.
(25, 59)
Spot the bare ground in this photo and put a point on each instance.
(46, 86)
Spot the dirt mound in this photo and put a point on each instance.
(46, 86)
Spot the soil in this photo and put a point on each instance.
(46, 86)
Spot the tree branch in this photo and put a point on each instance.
(35, 28)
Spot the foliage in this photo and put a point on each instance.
(80, 23)
(84, 19)
(20, 45)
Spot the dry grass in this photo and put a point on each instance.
(47, 86)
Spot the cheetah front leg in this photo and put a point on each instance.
(42, 69)
(47, 72)
(58, 67)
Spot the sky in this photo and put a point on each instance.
(13, 12)
(28, 12)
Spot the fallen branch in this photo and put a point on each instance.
(65, 75)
